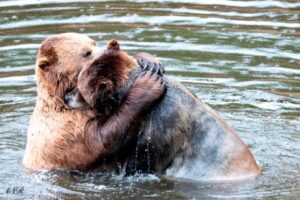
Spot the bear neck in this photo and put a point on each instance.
(123, 91)
(50, 90)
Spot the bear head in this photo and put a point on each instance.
(60, 59)
(103, 83)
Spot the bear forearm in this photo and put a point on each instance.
(113, 132)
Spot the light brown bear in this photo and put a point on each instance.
(60, 137)
(181, 136)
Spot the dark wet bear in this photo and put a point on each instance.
(181, 136)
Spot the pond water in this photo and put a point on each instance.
(240, 57)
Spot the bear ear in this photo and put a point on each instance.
(44, 63)
(113, 45)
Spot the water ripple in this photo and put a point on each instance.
(152, 20)
(240, 57)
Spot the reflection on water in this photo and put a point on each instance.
(240, 57)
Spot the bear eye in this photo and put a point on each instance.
(86, 54)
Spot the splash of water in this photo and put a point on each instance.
(137, 151)
(148, 145)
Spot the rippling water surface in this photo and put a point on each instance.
(240, 57)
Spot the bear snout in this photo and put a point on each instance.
(75, 100)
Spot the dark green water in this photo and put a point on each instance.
(240, 57)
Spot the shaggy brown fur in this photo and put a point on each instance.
(60, 137)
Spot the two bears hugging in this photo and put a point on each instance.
(103, 110)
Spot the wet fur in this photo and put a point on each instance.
(181, 136)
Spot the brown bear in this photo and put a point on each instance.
(60, 137)
(181, 136)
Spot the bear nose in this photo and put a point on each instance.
(75, 100)
(68, 97)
